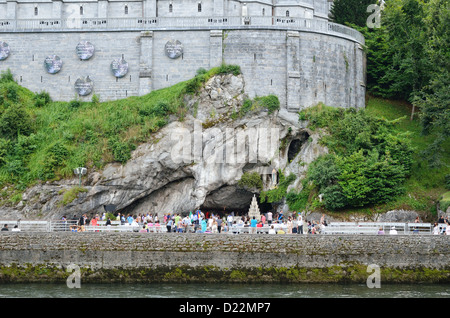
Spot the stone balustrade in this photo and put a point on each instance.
(168, 23)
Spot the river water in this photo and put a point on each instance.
(235, 291)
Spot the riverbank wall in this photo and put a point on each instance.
(190, 258)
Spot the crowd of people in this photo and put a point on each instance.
(208, 222)
(201, 222)
(441, 230)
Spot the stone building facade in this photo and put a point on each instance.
(286, 48)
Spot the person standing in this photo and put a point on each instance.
(269, 218)
(82, 222)
(219, 224)
(300, 224)
(169, 225)
(230, 220)
(263, 219)
(436, 229)
(177, 219)
(130, 219)
(290, 225)
(253, 224)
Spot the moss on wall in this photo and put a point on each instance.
(355, 273)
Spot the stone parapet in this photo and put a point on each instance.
(206, 257)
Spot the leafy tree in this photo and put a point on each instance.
(367, 164)
(406, 35)
(351, 11)
(434, 98)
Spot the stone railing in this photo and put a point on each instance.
(169, 23)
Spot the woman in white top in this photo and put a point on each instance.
(436, 229)
(272, 230)
(290, 225)
(393, 231)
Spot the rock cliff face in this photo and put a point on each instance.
(189, 164)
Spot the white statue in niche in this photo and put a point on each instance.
(274, 178)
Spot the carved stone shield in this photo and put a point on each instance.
(119, 67)
(85, 50)
(53, 64)
(173, 49)
(4, 50)
(84, 86)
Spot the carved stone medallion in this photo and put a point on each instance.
(85, 50)
(84, 86)
(173, 49)
(53, 64)
(119, 68)
(4, 50)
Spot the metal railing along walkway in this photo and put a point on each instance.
(356, 228)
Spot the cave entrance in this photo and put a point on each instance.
(240, 207)
(296, 145)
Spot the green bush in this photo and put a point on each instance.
(161, 109)
(229, 69)
(201, 71)
(71, 195)
(42, 99)
(280, 191)
(120, 150)
(251, 180)
(9, 91)
(6, 76)
(15, 120)
(5, 146)
(95, 100)
(75, 103)
(368, 162)
(299, 201)
(194, 84)
(270, 102)
(246, 107)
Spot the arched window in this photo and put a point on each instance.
(263, 11)
(287, 13)
(199, 7)
(126, 9)
(81, 10)
(170, 7)
(36, 10)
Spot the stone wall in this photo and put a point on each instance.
(301, 68)
(47, 9)
(223, 257)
